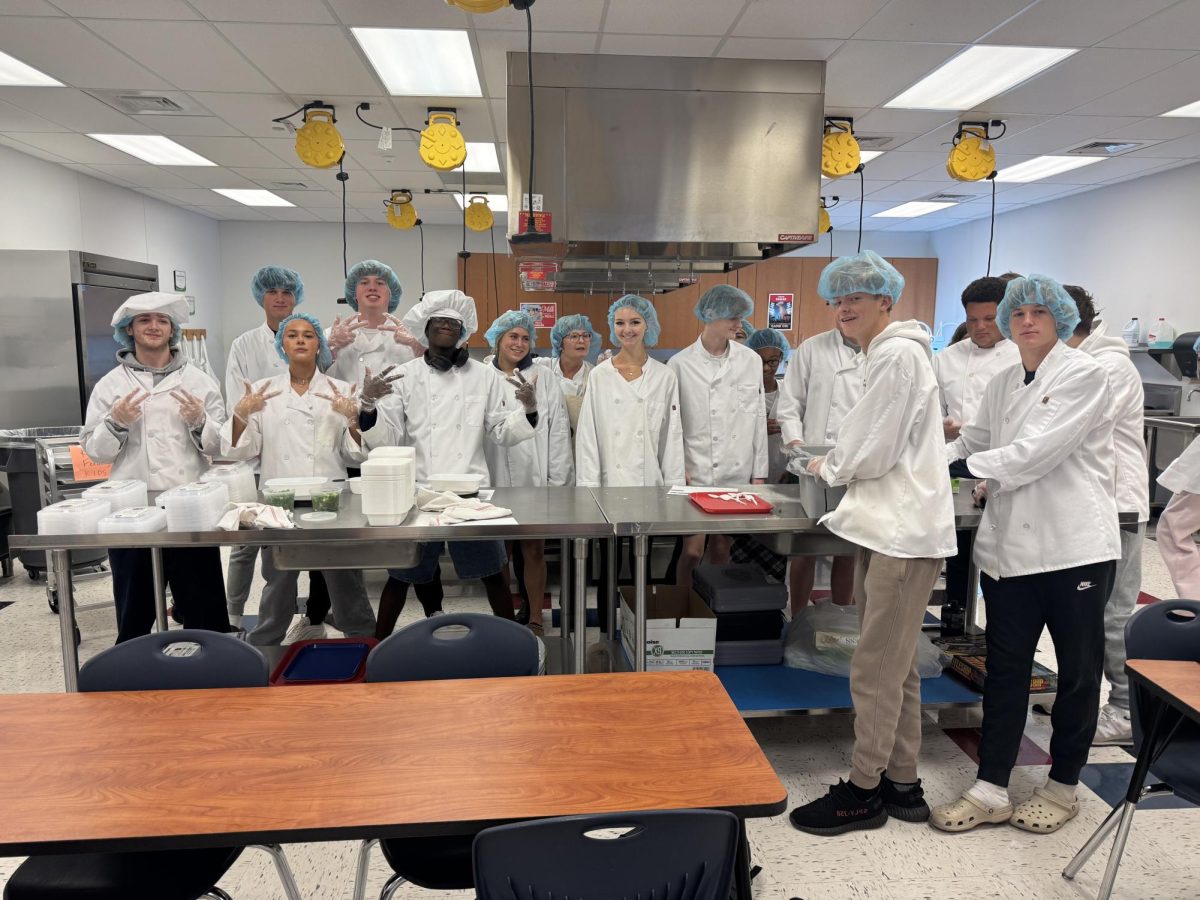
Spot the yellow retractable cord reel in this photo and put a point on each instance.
(401, 214)
(318, 142)
(973, 158)
(442, 145)
(478, 215)
(840, 153)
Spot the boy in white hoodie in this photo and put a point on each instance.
(899, 511)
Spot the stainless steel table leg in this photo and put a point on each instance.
(580, 598)
(614, 594)
(971, 619)
(641, 545)
(61, 560)
(160, 589)
(566, 605)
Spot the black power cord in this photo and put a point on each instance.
(343, 176)
(531, 234)
(992, 227)
(421, 228)
(367, 106)
(862, 187)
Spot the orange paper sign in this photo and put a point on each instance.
(84, 469)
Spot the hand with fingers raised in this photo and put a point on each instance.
(376, 387)
(191, 407)
(525, 390)
(128, 409)
(341, 334)
(345, 405)
(253, 401)
(402, 334)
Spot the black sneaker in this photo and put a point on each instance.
(904, 803)
(839, 811)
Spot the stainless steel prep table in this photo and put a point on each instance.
(350, 543)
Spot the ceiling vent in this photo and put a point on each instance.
(1109, 148)
(149, 103)
(290, 186)
(950, 198)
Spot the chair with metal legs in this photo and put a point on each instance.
(166, 660)
(1169, 629)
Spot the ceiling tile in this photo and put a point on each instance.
(1060, 134)
(350, 126)
(869, 73)
(288, 214)
(30, 150)
(205, 126)
(474, 116)
(205, 211)
(403, 157)
(902, 121)
(127, 9)
(1024, 193)
(213, 177)
(640, 17)
(777, 48)
(232, 151)
(1166, 90)
(1154, 128)
(28, 8)
(329, 214)
(920, 190)
(305, 59)
(1073, 23)
(234, 213)
(307, 199)
(788, 19)
(1119, 168)
(13, 119)
(391, 14)
(73, 109)
(77, 148)
(940, 138)
(930, 20)
(495, 45)
(413, 181)
(313, 12)
(64, 49)
(251, 114)
(573, 15)
(1175, 28)
(1180, 148)
(144, 175)
(198, 197)
(899, 164)
(191, 55)
(657, 45)
(360, 180)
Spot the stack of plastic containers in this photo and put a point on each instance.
(194, 507)
(133, 520)
(388, 485)
(749, 614)
(119, 494)
(78, 516)
(238, 479)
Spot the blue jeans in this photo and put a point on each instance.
(472, 560)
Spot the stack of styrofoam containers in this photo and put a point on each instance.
(238, 479)
(134, 520)
(194, 507)
(749, 612)
(78, 516)
(119, 494)
(388, 485)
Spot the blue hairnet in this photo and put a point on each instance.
(324, 356)
(1196, 346)
(748, 328)
(643, 308)
(276, 278)
(568, 324)
(506, 322)
(125, 339)
(1038, 290)
(863, 273)
(769, 338)
(723, 301)
(367, 267)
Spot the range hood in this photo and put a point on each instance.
(656, 170)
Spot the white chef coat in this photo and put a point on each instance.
(963, 370)
(159, 447)
(724, 420)
(629, 432)
(1129, 404)
(377, 349)
(296, 434)
(1183, 474)
(446, 416)
(252, 357)
(1046, 449)
(822, 383)
(890, 454)
(776, 458)
(548, 458)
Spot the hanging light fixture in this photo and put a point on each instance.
(478, 215)
(318, 142)
(972, 158)
(840, 153)
(442, 144)
(488, 6)
(401, 213)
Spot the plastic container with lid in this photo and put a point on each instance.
(238, 479)
(119, 494)
(77, 516)
(195, 507)
(134, 520)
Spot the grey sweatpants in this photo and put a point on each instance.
(347, 595)
(241, 575)
(1121, 603)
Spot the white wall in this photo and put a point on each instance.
(1134, 246)
(845, 241)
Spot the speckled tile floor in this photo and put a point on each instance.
(897, 862)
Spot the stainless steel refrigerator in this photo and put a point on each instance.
(55, 338)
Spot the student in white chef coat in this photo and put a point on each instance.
(572, 341)
(372, 336)
(1047, 547)
(963, 371)
(822, 383)
(899, 512)
(446, 405)
(300, 422)
(154, 417)
(545, 461)
(1133, 496)
(721, 408)
(772, 348)
(1180, 521)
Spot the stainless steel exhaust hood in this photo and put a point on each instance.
(660, 169)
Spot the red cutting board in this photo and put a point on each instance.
(711, 502)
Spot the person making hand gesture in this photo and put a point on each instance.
(372, 336)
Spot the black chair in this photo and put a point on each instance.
(166, 660)
(456, 645)
(685, 854)
(1168, 629)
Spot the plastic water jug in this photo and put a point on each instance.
(1132, 332)
(1161, 334)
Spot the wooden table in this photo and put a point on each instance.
(170, 769)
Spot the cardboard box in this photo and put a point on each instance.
(968, 661)
(681, 631)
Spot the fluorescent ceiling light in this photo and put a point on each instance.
(153, 148)
(912, 210)
(1192, 110)
(481, 157)
(977, 74)
(1044, 167)
(251, 197)
(413, 62)
(497, 202)
(15, 72)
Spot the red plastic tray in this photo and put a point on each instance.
(324, 661)
(712, 502)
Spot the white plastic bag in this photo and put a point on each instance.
(823, 637)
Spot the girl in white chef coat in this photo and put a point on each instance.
(300, 423)
(772, 348)
(372, 336)
(1181, 520)
(1047, 547)
(572, 340)
(546, 460)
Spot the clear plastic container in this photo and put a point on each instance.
(326, 498)
(195, 507)
(134, 520)
(284, 498)
(78, 516)
(119, 494)
(238, 479)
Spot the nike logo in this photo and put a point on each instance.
(1084, 585)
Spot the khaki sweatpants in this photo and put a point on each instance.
(891, 595)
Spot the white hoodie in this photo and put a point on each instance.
(890, 453)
